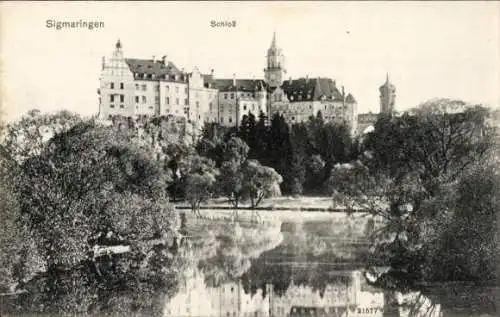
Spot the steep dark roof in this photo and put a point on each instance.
(156, 68)
(241, 84)
(350, 99)
(309, 89)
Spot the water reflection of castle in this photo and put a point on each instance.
(230, 300)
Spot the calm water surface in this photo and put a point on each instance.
(292, 265)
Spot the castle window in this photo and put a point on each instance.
(293, 118)
(232, 96)
(121, 85)
(197, 104)
(144, 87)
(122, 106)
(122, 98)
(167, 88)
(210, 106)
(137, 87)
(167, 100)
(111, 106)
(111, 98)
(136, 99)
(176, 89)
(157, 100)
(112, 85)
(157, 87)
(225, 96)
(185, 102)
(186, 90)
(222, 121)
(244, 107)
(144, 100)
(230, 119)
(176, 101)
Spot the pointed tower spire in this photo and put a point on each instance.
(273, 43)
(387, 77)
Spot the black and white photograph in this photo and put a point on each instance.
(250, 159)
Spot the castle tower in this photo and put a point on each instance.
(116, 88)
(275, 70)
(387, 97)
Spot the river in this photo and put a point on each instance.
(279, 264)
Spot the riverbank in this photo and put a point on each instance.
(283, 203)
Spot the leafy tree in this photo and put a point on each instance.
(27, 136)
(200, 180)
(260, 182)
(315, 169)
(235, 149)
(230, 181)
(411, 180)
(90, 185)
(260, 142)
(176, 160)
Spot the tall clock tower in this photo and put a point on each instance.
(275, 70)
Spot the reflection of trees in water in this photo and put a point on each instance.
(135, 282)
(318, 277)
(238, 244)
(309, 256)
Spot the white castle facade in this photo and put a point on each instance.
(134, 87)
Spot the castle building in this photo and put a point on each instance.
(237, 98)
(134, 87)
(387, 97)
(299, 99)
(387, 106)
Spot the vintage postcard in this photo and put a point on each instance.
(250, 159)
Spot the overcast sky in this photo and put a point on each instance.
(429, 49)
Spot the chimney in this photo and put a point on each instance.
(234, 80)
(212, 72)
(103, 63)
